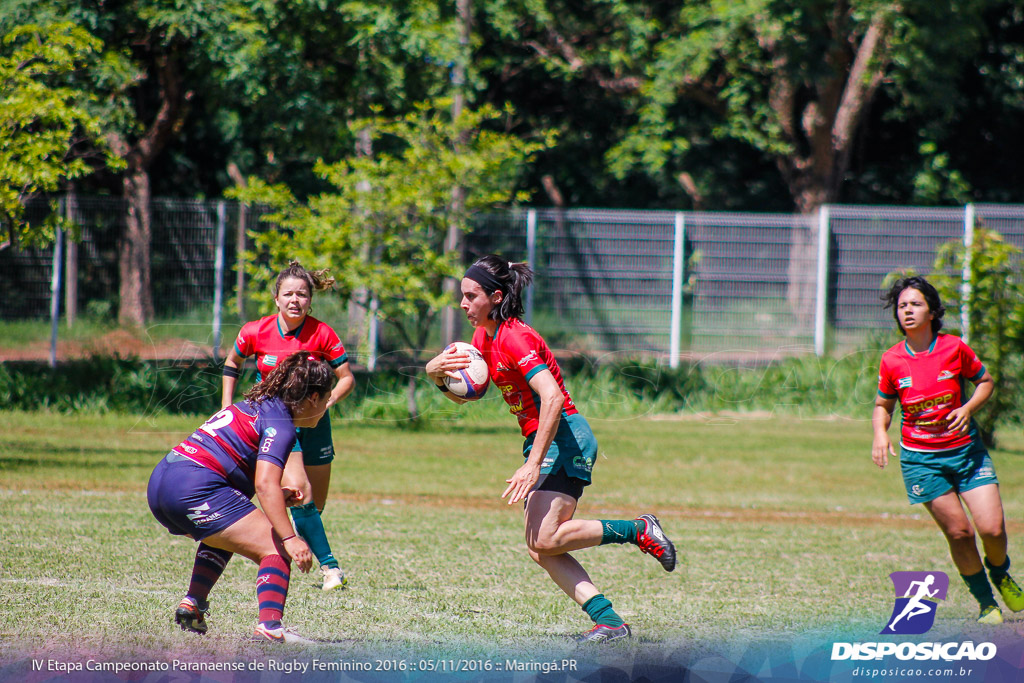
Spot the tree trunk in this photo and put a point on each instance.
(243, 209)
(410, 402)
(825, 128)
(453, 241)
(136, 305)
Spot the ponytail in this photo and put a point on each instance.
(494, 273)
(316, 280)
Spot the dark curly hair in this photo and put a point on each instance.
(295, 379)
(931, 296)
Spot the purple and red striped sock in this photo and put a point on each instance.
(209, 565)
(272, 587)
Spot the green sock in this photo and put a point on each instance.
(998, 573)
(619, 530)
(599, 608)
(309, 525)
(980, 588)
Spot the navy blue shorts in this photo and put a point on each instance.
(192, 500)
(560, 482)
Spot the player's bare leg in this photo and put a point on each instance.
(546, 513)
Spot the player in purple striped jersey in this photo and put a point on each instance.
(202, 489)
(270, 339)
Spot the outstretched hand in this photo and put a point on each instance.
(522, 482)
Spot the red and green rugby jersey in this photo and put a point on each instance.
(929, 385)
(514, 355)
(271, 344)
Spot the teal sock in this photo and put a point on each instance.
(980, 588)
(599, 608)
(309, 525)
(998, 573)
(619, 530)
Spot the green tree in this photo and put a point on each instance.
(161, 50)
(795, 80)
(381, 228)
(47, 127)
(314, 67)
(995, 306)
(693, 99)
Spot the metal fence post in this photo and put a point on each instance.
(70, 263)
(965, 276)
(820, 308)
(531, 258)
(218, 277)
(677, 290)
(372, 334)
(58, 264)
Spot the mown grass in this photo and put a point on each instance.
(784, 525)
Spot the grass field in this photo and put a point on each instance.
(784, 526)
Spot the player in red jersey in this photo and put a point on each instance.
(202, 489)
(270, 339)
(560, 449)
(942, 457)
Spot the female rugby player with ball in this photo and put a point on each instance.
(560, 449)
(202, 489)
(944, 463)
(270, 339)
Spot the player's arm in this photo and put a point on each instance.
(346, 383)
(881, 418)
(551, 401)
(959, 420)
(268, 489)
(448, 362)
(232, 367)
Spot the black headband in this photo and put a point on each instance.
(479, 275)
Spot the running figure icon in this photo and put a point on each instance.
(916, 605)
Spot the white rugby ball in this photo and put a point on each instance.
(472, 381)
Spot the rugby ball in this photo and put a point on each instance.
(472, 381)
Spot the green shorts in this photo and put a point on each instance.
(316, 443)
(574, 449)
(930, 475)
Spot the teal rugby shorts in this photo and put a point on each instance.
(573, 450)
(929, 475)
(316, 443)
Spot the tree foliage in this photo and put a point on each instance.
(676, 104)
(381, 228)
(793, 81)
(995, 306)
(47, 124)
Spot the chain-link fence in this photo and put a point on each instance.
(607, 273)
(871, 242)
(659, 283)
(183, 258)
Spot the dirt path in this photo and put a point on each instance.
(116, 342)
